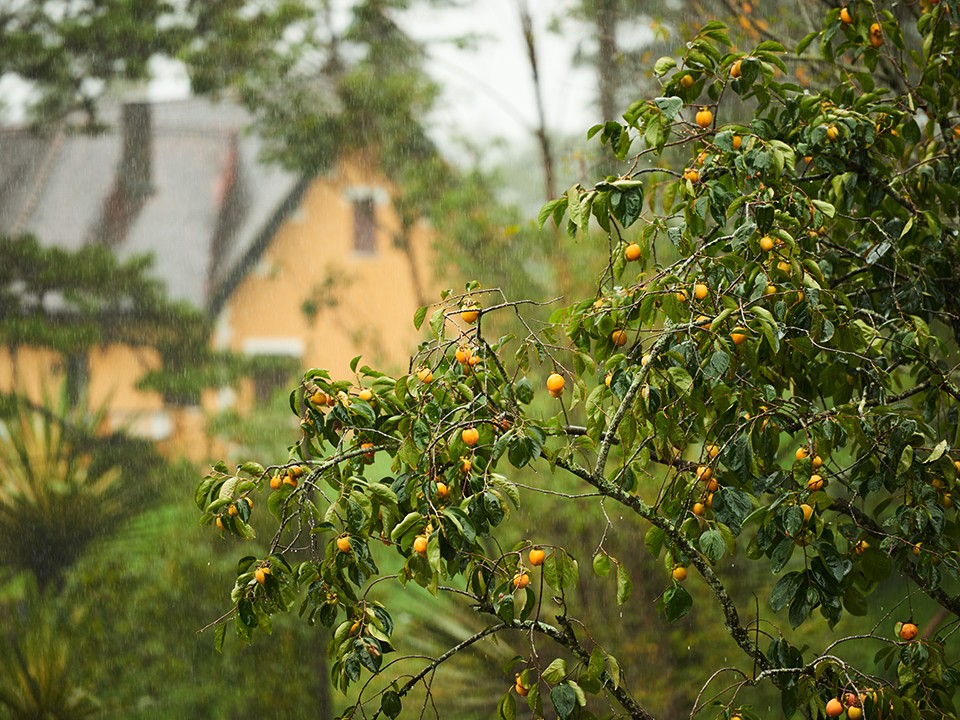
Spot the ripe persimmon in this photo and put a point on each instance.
(521, 580)
(555, 383)
(420, 545)
(909, 631)
(470, 436)
(619, 337)
(343, 544)
(632, 252)
(537, 556)
(704, 118)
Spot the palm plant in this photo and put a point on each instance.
(56, 492)
(35, 677)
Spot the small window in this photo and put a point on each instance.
(364, 226)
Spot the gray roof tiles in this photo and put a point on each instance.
(198, 149)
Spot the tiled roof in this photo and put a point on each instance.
(210, 205)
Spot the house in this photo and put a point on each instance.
(303, 268)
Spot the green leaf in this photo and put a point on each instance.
(564, 700)
(595, 666)
(390, 704)
(663, 65)
(418, 318)
(555, 671)
(624, 584)
(825, 207)
(523, 390)
(560, 570)
(937, 452)
(676, 602)
(785, 589)
(614, 671)
(411, 521)
(731, 507)
(669, 106)
(578, 691)
(601, 564)
(654, 539)
(507, 708)
(218, 637)
(547, 210)
(712, 545)
(681, 379)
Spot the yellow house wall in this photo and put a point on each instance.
(372, 299)
(373, 295)
(113, 373)
(33, 372)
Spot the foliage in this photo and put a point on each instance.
(787, 385)
(36, 669)
(71, 301)
(59, 488)
(134, 597)
(70, 52)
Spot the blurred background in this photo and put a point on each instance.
(199, 201)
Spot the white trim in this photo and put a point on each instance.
(363, 192)
(287, 346)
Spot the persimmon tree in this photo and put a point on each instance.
(767, 368)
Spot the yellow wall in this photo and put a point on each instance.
(373, 294)
(367, 308)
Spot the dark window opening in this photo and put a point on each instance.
(364, 226)
(267, 381)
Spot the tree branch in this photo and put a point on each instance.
(562, 636)
(731, 617)
(936, 594)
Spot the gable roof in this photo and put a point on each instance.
(207, 206)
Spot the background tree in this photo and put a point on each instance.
(784, 387)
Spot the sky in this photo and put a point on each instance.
(487, 90)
